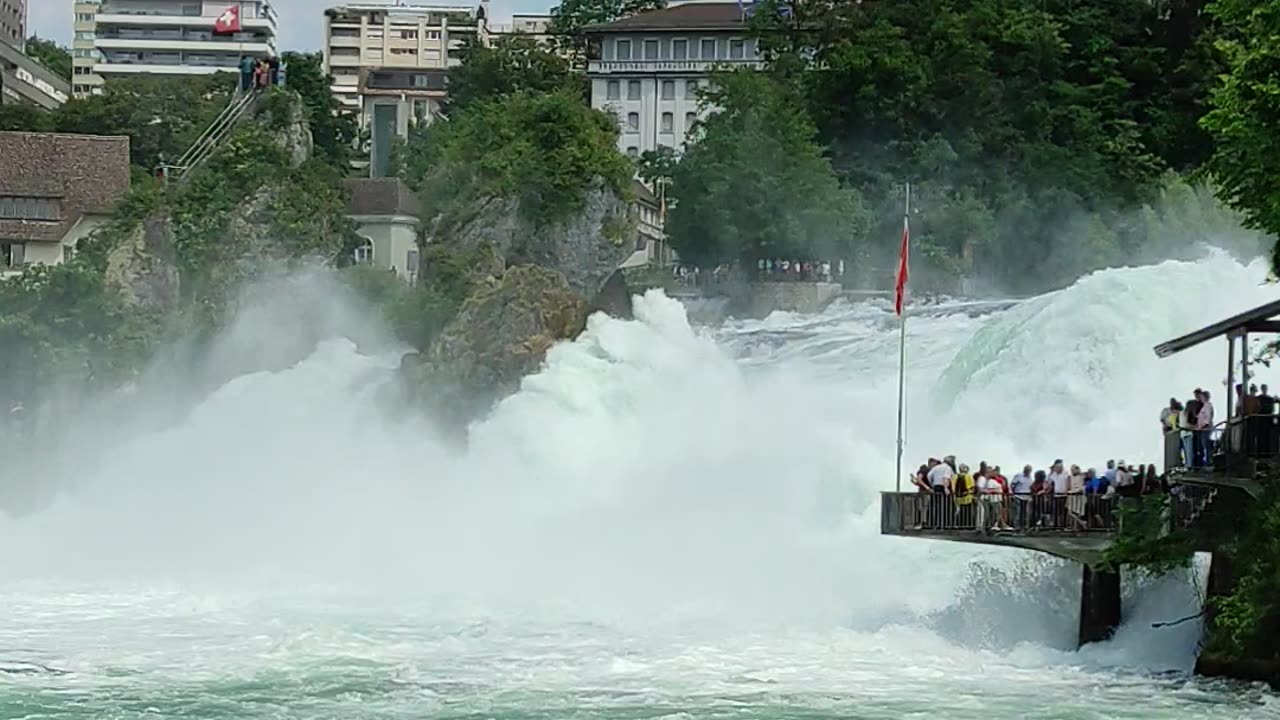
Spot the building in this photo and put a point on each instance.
(535, 27)
(25, 81)
(651, 241)
(647, 69)
(366, 37)
(13, 23)
(387, 216)
(55, 189)
(393, 99)
(120, 38)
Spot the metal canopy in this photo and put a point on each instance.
(1255, 320)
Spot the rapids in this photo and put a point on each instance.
(666, 521)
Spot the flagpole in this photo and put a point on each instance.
(902, 342)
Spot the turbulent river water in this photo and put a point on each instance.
(666, 522)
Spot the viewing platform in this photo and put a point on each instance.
(1244, 448)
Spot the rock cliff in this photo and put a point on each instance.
(143, 268)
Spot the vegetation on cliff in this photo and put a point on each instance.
(249, 203)
(51, 55)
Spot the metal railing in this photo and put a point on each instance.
(212, 137)
(1025, 514)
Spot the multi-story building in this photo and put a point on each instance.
(13, 23)
(25, 81)
(115, 38)
(647, 69)
(534, 26)
(55, 189)
(360, 38)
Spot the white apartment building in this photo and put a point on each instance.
(364, 37)
(647, 69)
(13, 23)
(116, 38)
(534, 26)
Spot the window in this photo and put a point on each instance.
(708, 49)
(13, 207)
(412, 35)
(84, 71)
(373, 53)
(404, 51)
(633, 151)
(612, 91)
(735, 49)
(375, 33)
(431, 54)
(633, 122)
(411, 260)
(690, 89)
(345, 32)
(80, 89)
(84, 17)
(668, 122)
(679, 49)
(633, 89)
(650, 49)
(690, 119)
(344, 52)
(624, 49)
(668, 89)
(84, 34)
(433, 34)
(14, 255)
(364, 252)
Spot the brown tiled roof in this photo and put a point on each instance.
(87, 173)
(690, 16)
(381, 196)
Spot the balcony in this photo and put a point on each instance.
(132, 20)
(260, 47)
(701, 67)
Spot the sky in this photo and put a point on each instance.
(301, 21)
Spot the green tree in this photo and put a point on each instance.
(1244, 121)
(161, 115)
(755, 184)
(333, 130)
(513, 64)
(545, 149)
(51, 55)
(25, 118)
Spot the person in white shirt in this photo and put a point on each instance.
(1204, 429)
(941, 474)
(992, 505)
(1061, 482)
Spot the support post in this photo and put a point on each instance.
(1099, 604)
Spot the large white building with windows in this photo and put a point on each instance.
(164, 37)
(402, 38)
(647, 69)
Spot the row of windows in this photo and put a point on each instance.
(378, 34)
(666, 124)
(29, 208)
(676, 49)
(84, 17)
(613, 90)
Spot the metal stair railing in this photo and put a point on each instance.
(212, 137)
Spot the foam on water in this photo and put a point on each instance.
(665, 505)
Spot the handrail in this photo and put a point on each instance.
(237, 101)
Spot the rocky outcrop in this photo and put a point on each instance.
(143, 268)
(586, 248)
(501, 334)
(614, 298)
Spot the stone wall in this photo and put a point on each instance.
(760, 299)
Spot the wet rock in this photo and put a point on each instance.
(143, 268)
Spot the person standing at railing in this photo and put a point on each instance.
(1204, 429)
(246, 73)
(939, 479)
(1059, 483)
(1020, 487)
(962, 490)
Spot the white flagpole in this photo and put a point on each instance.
(902, 345)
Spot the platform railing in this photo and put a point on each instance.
(1026, 514)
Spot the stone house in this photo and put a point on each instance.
(387, 216)
(56, 189)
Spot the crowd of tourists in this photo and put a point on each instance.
(261, 73)
(783, 270)
(1191, 424)
(1060, 498)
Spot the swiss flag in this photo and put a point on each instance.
(900, 290)
(228, 21)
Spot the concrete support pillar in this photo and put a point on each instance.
(1099, 604)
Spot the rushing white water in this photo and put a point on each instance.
(663, 518)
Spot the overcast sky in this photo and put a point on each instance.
(300, 20)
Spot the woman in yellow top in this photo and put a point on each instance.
(962, 486)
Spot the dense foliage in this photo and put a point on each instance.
(1029, 131)
(511, 65)
(51, 55)
(544, 149)
(1245, 119)
(333, 131)
(755, 184)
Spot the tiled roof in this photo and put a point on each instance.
(690, 16)
(87, 173)
(381, 196)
